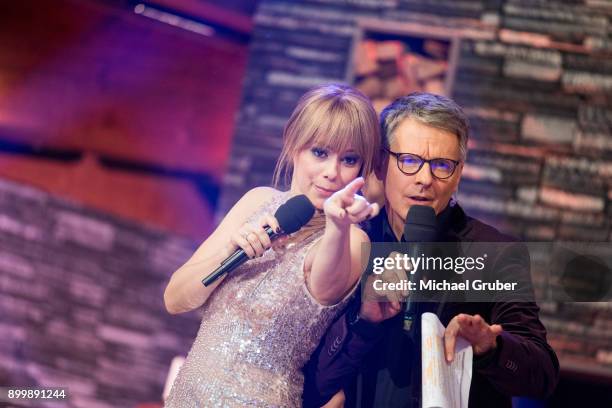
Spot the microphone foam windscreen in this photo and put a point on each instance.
(420, 224)
(295, 213)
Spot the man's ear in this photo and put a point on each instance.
(459, 169)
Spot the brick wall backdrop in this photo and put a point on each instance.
(129, 120)
(117, 111)
(81, 290)
(536, 81)
(81, 301)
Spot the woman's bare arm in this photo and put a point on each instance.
(334, 264)
(185, 291)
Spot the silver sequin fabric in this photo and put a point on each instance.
(260, 327)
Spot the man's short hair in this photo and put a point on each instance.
(430, 109)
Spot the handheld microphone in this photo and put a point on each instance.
(420, 227)
(421, 224)
(291, 216)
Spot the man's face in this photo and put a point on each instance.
(403, 191)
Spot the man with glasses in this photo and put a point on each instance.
(370, 357)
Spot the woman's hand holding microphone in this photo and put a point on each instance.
(254, 239)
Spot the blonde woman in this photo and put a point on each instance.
(262, 322)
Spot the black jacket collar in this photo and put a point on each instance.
(452, 225)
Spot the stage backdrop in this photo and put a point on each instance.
(81, 301)
(535, 79)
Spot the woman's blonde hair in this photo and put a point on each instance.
(334, 116)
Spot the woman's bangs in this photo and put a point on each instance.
(340, 133)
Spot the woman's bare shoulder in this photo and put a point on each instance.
(261, 194)
(252, 200)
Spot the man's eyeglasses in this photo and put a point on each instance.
(410, 164)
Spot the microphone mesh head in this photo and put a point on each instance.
(421, 224)
(294, 214)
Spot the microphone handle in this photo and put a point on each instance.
(410, 309)
(233, 261)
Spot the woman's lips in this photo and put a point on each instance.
(324, 191)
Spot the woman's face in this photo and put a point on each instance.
(318, 172)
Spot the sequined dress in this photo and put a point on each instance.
(260, 327)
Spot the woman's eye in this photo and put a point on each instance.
(318, 152)
(351, 160)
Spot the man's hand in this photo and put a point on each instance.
(475, 330)
(376, 312)
(380, 305)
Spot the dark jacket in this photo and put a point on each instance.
(523, 364)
